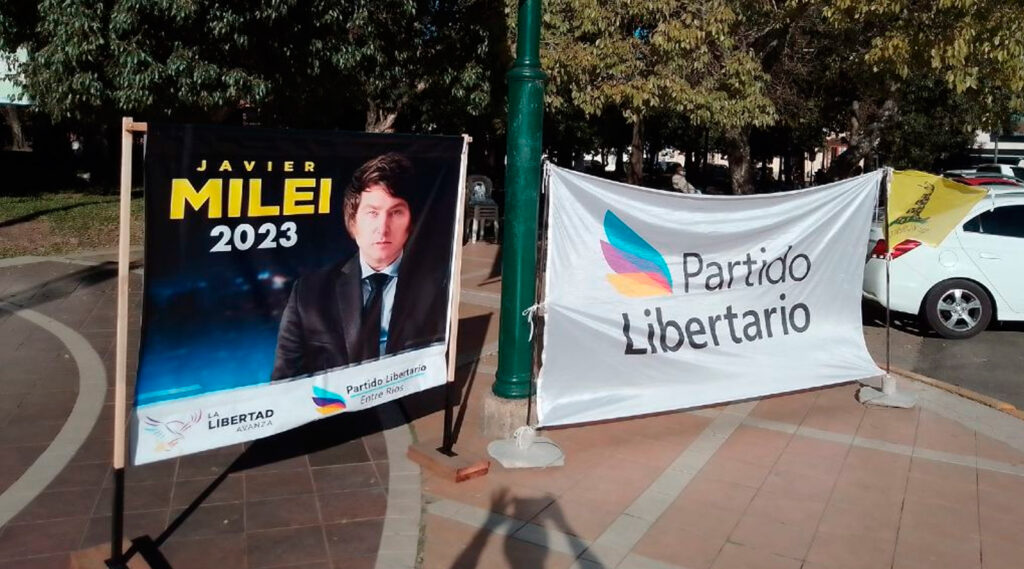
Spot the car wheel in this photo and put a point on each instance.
(957, 309)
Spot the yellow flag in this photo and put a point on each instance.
(926, 208)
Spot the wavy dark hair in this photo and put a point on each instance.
(391, 170)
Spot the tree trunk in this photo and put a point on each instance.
(635, 174)
(737, 148)
(704, 157)
(380, 120)
(842, 166)
(866, 124)
(18, 141)
(800, 169)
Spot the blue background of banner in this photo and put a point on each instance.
(210, 320)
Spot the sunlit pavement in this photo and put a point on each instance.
(812, 479)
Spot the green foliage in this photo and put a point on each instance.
(17, 22)
(317, 63)
(935, 124)
(644, 56)
(975, 46)
(789, 70)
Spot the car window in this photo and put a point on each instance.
(989, 168)
(1007, 221)
(1018, 172)
(973, 224)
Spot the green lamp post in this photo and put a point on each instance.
(522, 185)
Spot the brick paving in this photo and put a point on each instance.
(313, 497)
(810, 480)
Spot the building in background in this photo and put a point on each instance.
(12, 102)
(1005, 147)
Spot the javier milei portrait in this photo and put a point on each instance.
(376, 302)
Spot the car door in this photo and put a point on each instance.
(994, 241)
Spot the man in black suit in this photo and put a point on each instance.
(360, 309)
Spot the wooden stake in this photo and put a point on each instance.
(460, 221)
(448, 436)
(123, 265)
(121, 355)
(440, 458)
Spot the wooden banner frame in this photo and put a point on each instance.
(129, 128)
(440, 456)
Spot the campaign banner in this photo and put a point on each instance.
(657, 301)
(289, 275)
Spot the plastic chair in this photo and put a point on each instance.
(481, 209)
(480, 216)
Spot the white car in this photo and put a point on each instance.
(974, 276)
(1001, 170)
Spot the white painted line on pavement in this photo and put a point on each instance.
(399, 540)
(885, 446)
(612, 548)
(92, 390)
(615, 544)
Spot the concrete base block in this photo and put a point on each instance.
(503, 416)
(875, 398)
(888, 396)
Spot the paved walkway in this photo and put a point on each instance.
(317, 496)
(811, 479)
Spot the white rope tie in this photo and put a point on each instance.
(530, 313)
(524, 437)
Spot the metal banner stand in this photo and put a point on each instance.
(440, 456)
(888, 396)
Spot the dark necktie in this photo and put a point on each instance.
(371, 315)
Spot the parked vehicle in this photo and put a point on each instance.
(992, 183)
(959, 173)
(975, 276)
(1003, 169)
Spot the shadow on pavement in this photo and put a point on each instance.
(494, 274)
(65, 285)
(307, 439)
(517, 509)
(472, 334)
(333, 431)
(873, 316)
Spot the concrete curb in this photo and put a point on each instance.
(992, 402)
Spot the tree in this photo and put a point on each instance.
(644, 56)
(935, 125)
(17, 20)
(975, 48)
(417, 65)
(349, 64)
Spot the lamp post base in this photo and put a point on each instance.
(503, 416)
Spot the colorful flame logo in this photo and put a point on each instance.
(640, 270)
(327, 402)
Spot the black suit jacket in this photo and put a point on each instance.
(321, 325)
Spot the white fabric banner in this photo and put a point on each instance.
(658, 301)
(176, 428)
